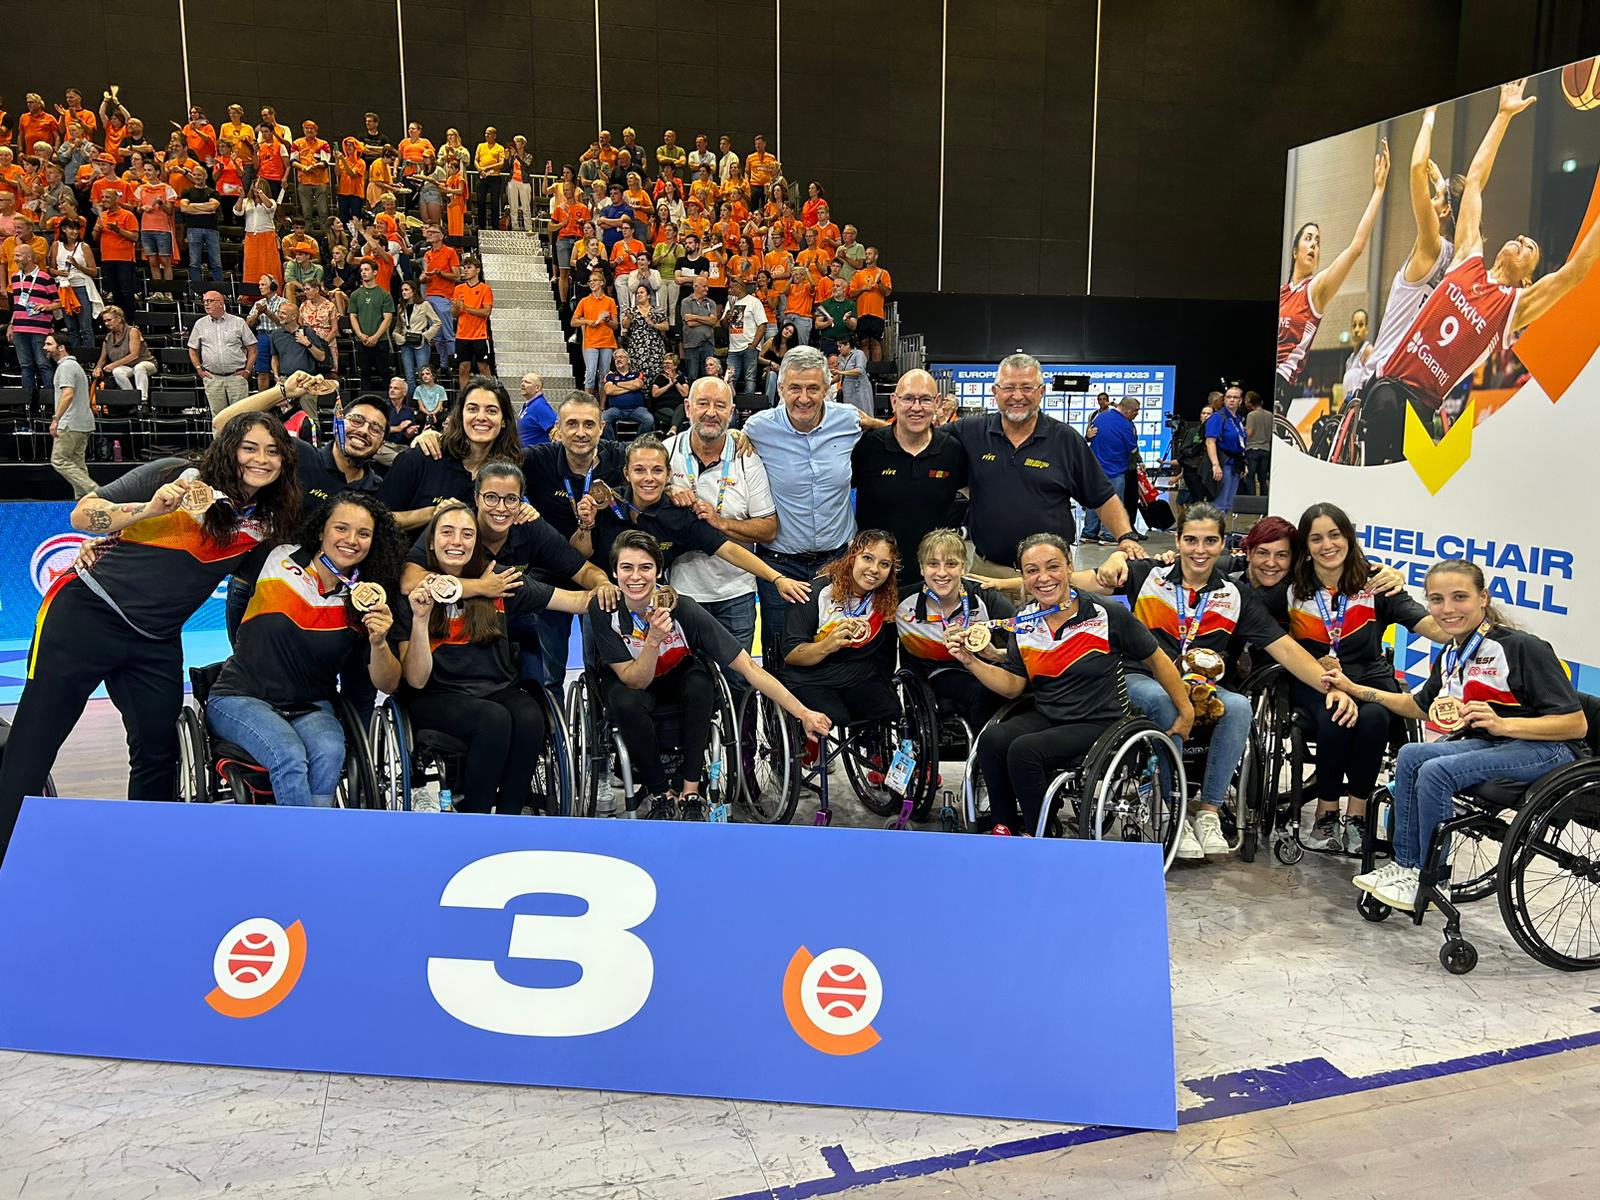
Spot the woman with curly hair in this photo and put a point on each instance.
(320, 607)
(181, 528)
(839, 649)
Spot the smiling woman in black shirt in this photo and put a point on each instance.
(119, 621)
(459, 668)
(481, 425)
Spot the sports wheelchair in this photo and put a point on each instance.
(1546, 875)
(1131, 786)
(597, 746)
(774, 762)
(214, 771)
(405, 758)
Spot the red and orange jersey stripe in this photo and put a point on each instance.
(277, 597)
(918, 645)
(1309, 626)
(181, 531)
(1058, 658)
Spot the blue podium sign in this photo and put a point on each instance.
(925, 972)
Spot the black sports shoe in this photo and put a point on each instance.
(660, 808)
(691, 807)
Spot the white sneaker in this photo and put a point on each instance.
(605, 801)
(1377, 877)
(1189, 848)
(1400, 890)
(1208, 831)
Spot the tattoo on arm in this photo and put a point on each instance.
(99, 521)
(1367, 696)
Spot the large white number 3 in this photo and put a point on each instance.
(617, 967)
(1448, 328)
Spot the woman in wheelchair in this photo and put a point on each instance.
(944, 608)
(651, 652)
(312, 615)
(1264, 561)
(1504, 696)
(1070, 649)
(1335, 614)
(839, 649)
(1194, 607)
(461, 669)
(677, 530)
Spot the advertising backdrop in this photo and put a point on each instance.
(1437, 374)
(973, 387)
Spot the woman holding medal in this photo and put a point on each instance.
(603, 515)
(181, 530)
(319, 607)
(839, 650)
(650, 643)
(1069, 649)
(1198, 616)
(460, 667)
(946, 608)
(1503, 691)
(1338, 617)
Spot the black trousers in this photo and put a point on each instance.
(374, 364)
(974, 702)
(81, 643)
(504, 734)
(1020, 756)
(632, 712)
(491, 198)
(868, 700)
(122, 281)
(1347, 759)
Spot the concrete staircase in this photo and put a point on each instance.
(527, 324)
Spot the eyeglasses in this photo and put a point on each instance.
(1017, 389)
(361, 423)
(495, 500)
(918, 401)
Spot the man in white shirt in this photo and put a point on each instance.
(746, 320)
(699, 157)
(731, 494)
(727, 160)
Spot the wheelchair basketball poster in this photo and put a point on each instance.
(1437, 372)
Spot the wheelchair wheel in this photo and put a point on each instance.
(867, 751)
(358, 785)
(591, 747)
(389, 751)
(553, 773)
(769, 760)
(721, 782)
(1475, 863)
(1250, 786)
(1134, 787)
(1373, 909)
(193, 758)
(1550, 870)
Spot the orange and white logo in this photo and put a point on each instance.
(256, 965)
(832, 998)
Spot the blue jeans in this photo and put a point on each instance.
(303, 757)
(1232, 472)
(641, 414)
(774, 608)
(694, 360)
(204, 242)
(1091, 519)
(741, 371)
(412, 360)
(738, 617)
(1228, 736)
(802, 327)
(596, 363)
(80, 326)
(1428, 774)
(445, 342)
(37, 370)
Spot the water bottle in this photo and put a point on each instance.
(116, 450)
(447, 802)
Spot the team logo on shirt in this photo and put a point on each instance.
(53, 558)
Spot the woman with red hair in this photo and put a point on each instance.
(839, 648)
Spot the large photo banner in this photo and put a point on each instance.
(1438, 322)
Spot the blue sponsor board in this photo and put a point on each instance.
(924, 972)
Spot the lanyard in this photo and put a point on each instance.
(966, 608)
(1189, 628)
(641, 625)
(1333, 623)
(1456, 658)
(691, 468)
(349, 580)
(32, 281)
(588, 478)
(1029, 619)
(859, 611)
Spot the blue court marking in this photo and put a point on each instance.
(1227, 1095)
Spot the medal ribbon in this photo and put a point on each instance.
(1333, 622)
(1027, 619)
(1456, 658)
(588, 479)
(966, 608)
(1189, 628)
(859, 611)
(349, 580)
(641, 624)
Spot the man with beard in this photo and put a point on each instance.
(1027, 468)
(731, 494)
(325, 470)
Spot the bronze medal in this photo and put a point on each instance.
(446, 589)
(600, 491)
(857, 630)
(321, 386)
(198, 497)
(365, 597)
(665, 596)
(978, 638)
(1328, 662)
(1447, 713)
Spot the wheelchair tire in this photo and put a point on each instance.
(358, 785)
(722, 782)
(1250, 786)
(1549, 872)
(866, 770)
(1287, 849)
(1139, 815)
(1474, 866)
(236, 785)
(1458, 956)
(591, 747)
(769, 760)
(389, 753)
(556, 761)
(193, 758)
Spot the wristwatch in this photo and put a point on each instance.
(1128, 537)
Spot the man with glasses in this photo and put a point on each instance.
(806, 444)
(907, 476)
(1026, 470)
(732, 495)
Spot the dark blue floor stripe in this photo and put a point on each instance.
(1226, 1096)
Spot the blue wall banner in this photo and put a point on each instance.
(923, 972)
